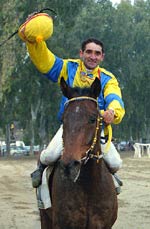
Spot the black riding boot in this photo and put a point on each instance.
(36, 176)
(118, 183)
(118, 179)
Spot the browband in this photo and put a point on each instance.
(80, 98)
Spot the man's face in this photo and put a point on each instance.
(92, 55)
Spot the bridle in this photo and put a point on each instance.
(89, 153)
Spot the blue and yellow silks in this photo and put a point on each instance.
(54, 68)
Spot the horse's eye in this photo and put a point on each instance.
(92, 119)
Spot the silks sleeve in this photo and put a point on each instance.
(113, 99)
(41, 56)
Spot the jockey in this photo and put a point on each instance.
(79, 73)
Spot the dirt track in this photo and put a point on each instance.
(18, 203)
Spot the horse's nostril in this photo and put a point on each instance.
(73, 163)
(76, 163)
(71, 169)
(69, 164)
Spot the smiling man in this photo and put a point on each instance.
(92, 53)
(80, 73)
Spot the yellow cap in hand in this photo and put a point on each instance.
(37, 28)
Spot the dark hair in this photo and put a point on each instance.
(92, 40)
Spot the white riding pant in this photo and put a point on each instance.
(54, 150)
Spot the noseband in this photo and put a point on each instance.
(89, 153)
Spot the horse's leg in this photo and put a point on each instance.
(46, 218)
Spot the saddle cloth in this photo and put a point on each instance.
(43, 195)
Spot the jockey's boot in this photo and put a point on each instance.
(118, 179)
(36, 176)
(117, 182)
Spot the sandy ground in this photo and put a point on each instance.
(18, 206)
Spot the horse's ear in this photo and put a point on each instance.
(64, 88)
(95, 88)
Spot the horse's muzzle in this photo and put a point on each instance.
(71, 169)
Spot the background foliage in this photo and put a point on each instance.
(31, 101)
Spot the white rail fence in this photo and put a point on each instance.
(140, 149)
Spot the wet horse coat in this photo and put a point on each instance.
(82, 190)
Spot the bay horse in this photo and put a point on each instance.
(82, 190)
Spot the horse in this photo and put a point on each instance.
(82, 190)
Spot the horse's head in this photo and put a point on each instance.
(81, 122)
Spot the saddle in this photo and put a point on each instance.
(43, 193)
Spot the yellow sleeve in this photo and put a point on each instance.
(119, 111)
(41, 56)
(113, 97)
